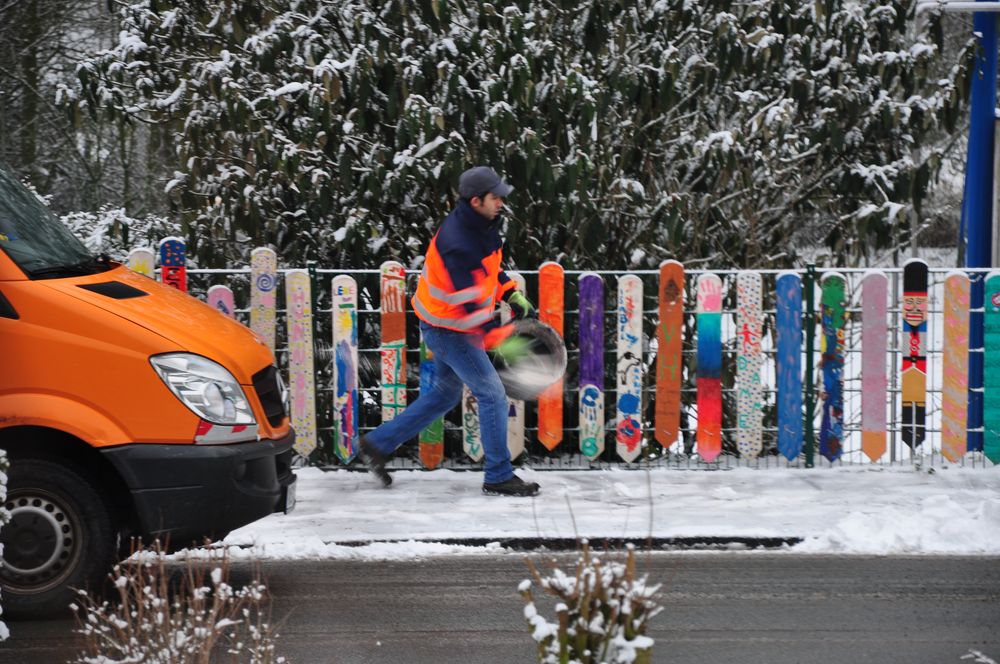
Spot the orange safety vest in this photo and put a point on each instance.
(462, 280)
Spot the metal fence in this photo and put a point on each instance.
(681, 454)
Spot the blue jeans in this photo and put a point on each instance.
(457, 360)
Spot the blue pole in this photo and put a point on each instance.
(977, 205)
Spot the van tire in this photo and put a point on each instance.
(61, 537)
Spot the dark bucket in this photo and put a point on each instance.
(544, 366)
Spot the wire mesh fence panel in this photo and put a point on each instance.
(681, 452)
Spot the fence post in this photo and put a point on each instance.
(317, 346)
(313, 288)
(810, 384)
(977, 309)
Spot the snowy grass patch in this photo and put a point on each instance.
(159, 613)
(603, 609)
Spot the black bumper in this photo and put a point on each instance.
(185, 493)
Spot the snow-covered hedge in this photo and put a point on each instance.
(632, 130)
(110, 231)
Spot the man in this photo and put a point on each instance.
(460, 286)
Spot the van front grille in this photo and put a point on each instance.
(271, 392)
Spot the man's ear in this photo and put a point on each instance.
(472, 201)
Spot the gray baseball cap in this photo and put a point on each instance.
(480, 180)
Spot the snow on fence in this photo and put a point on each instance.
(777, 359)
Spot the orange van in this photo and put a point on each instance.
(127, 408)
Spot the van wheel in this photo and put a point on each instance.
(60, 538)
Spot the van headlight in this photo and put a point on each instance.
(205, 387)
(283, 391)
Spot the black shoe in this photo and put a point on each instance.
(515, 486)
(375, 461)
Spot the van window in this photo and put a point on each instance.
(35, 239)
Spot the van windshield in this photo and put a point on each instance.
(35, 239)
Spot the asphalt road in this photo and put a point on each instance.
(719, 607)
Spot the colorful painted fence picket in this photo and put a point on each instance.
(674, 367)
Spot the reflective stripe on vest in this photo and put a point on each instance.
(461, 297)
(470, 322)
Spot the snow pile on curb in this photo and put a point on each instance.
(939, 524)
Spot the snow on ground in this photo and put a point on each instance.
(898, 510)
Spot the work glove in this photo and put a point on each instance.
(521, 306)
(513, 349)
